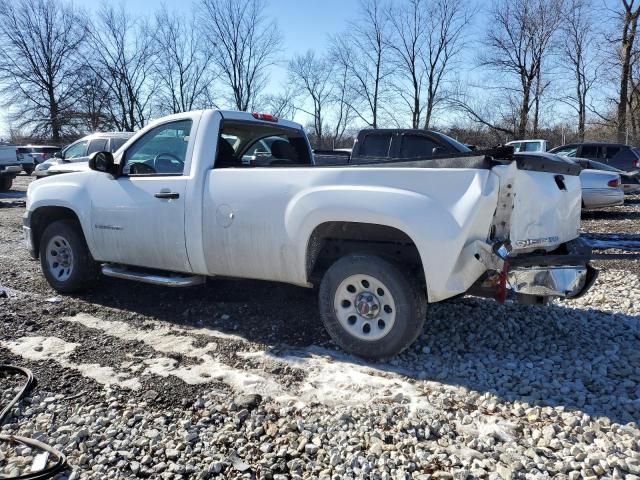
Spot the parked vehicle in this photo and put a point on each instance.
(630, 181)
(601, 189)
(618, 155)
(178, 203)
(74, 157)
(383, 145)
(9, 166)
(32, 155)
(528, 145)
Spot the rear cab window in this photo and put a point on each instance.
(419, 146)
(375, 145)
(252, 144)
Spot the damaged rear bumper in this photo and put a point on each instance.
(562, 281)
(564, 273)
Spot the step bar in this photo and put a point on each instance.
(167, 279)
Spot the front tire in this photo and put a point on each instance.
(65, 259)
(28, 169)
(370, 307)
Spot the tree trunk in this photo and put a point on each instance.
(524, 111)
(628, 37)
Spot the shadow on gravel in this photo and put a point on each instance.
(610, 215)
(546, 356)
(12, 199)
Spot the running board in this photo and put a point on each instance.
(168, 279)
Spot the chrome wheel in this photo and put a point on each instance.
(365, 307)
(59, 258)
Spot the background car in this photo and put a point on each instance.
(600, 189)
(31, 155)
(623, 157)
(79, 152)
(528, 145)
(630, 182)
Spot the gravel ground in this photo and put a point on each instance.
(238, 380)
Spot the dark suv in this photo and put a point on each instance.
(623, 157)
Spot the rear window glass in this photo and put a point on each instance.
(590, 151)
(612, 151)
(116, 143)
(375, 145)
(417, 146)
(97, 145)
(532, 147)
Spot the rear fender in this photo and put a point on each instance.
(440, 230)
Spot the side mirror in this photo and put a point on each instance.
(57, 155)
(103, 162)
(437, 151)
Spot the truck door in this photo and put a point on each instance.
(139, 218)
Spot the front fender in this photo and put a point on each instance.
(440, 226)
(67, 191)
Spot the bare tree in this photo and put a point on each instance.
(427, 37)
(244, 43)
(364, 50)
(182, 65)
(92, 106)
(577, 50)
(40, 63)
(342, 101)
(629, 27)
(311, 77)
(518, 44)
(122, 54)
(282, 105)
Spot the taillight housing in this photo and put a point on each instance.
(267, 117)
(615, 183)
(634, 163)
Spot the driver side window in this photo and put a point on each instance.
(161, 151)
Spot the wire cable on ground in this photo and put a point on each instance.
(60, 461)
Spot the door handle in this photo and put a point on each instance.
(169, 195)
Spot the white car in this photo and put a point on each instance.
(178, 203)
(528, 145)
(74, 157)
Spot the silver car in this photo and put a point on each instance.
(601, 189)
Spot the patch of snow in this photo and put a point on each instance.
(335, 378)
(164, 339)
(58, 350)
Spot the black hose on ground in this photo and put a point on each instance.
(60, 460)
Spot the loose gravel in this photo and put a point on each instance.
(487, 391)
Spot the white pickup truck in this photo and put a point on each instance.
(183, 200)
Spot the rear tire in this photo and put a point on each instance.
(5, 184)
(65, 259)
(370, 307)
